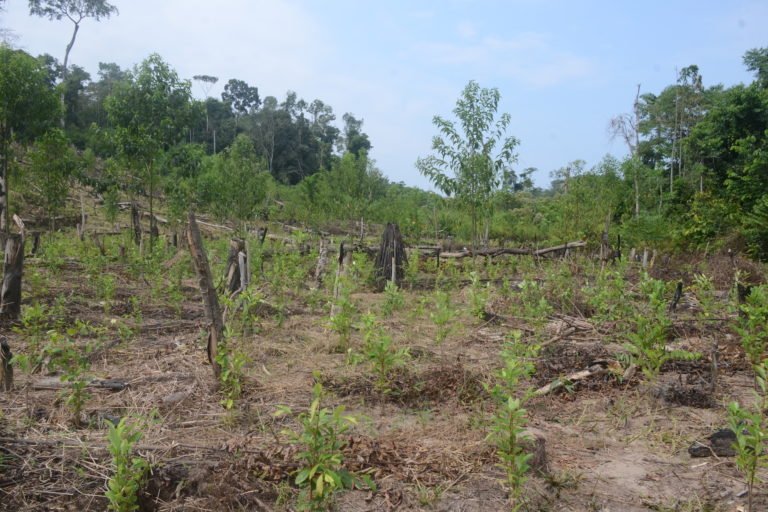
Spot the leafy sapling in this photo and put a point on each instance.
(509, 421)
(128, 471)
(321, 457)
(751, 428)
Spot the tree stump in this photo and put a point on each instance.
(136, 223)
(208, 291)
(391, 258)
(322, 263)
(6, 370)
(234, 280)
(10, 296)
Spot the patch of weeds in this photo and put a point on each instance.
(647, 345)
(394, 299)
(64, 355)
(442, 315)
(381, 353)
(607, 297)
(536, 308)
(426, 495)
(412, 271)
(342, 318)
(478, 296)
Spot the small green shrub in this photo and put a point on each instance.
(64, 355)
(753, 325)
(232, 362)
(478, 296)
(510, 418)
(647, 345)
(321, 459)
(128, 472)
(442, 315)
(751, 429)
(394, 299)
(381, 353)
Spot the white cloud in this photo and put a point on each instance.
(528, 57)
(466, 30)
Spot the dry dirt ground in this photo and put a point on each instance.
(609, 444)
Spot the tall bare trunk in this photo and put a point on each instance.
(65, 72)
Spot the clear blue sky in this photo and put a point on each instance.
(563, 67)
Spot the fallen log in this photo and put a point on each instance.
(468, 253)
(57, 383)
(565, 246)
(499, 251)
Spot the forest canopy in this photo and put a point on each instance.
(695, 174)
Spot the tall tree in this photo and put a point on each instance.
(627, 126)
(151, 113)
(206, 82)
(472, 157)
(756, 61)
(28, 107)
(356, 141)
(75, 11)
(242, 97)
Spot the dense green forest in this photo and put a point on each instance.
(695, 176)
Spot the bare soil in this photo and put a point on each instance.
(610, 444)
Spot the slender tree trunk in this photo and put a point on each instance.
(65, 72)
(152, 223)
(637, 192)
(4, 150)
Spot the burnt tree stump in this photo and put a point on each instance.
(234, 273)
(391, 259)
(136, 223)
(10, 296)
(208, 291)
(6, 370)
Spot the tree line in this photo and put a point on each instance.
(695, 174)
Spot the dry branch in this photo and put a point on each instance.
(596, 368)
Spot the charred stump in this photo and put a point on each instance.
(6, 370)
(10, 297)
(261, 234)
(322, 263)
(235, 276)
(208, 291)
(136, 224)
(391, 258)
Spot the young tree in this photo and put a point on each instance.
(52, 162)
(28, 106)
(477, 152)
(150, 114)
(75, 11)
